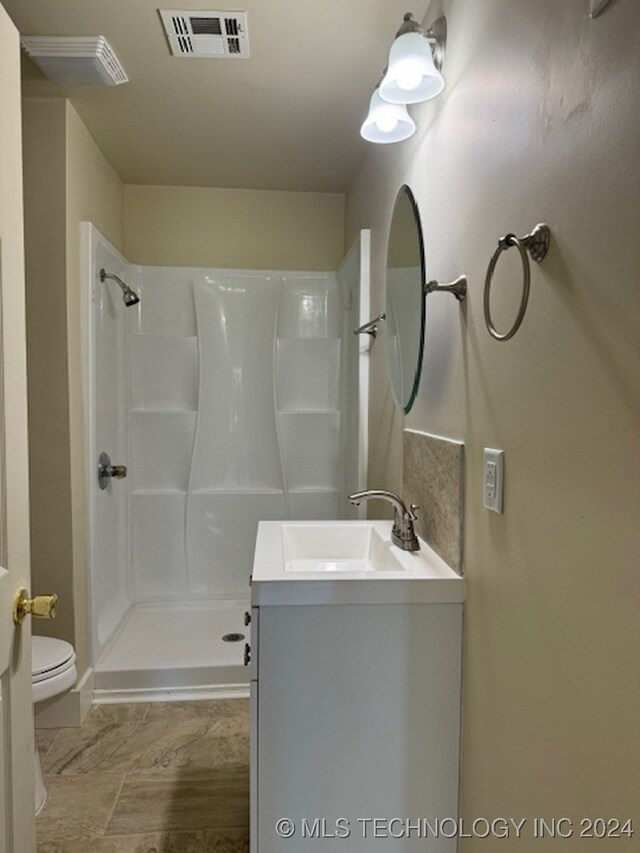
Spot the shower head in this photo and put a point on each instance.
(129, 297)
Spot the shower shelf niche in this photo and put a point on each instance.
(159, 492)
(305, 490)
(308, 411)
(145, 338)
(163, 411)
(163, 374)
(238, 491)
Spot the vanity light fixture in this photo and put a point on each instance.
(386, 122)
(415, 61)
(412, 75)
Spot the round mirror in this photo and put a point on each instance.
(405, 299)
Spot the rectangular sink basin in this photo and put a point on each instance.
(346, 562)
(356, 547)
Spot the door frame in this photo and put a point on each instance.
(17, 732)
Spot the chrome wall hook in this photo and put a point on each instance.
(371, 328)
(457, 287)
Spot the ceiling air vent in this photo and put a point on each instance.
(76, 60)
(214, 34)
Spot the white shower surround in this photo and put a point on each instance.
(234, 417)
(225, 392)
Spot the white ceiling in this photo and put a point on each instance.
(288, 118)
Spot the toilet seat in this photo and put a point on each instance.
(53, 667)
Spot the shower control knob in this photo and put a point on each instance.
(107, 471)
(247, 618)
(247, 654)
(40, 606)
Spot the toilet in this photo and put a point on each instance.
(53, 671)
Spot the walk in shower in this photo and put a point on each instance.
(230, 397)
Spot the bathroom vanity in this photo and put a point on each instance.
(355, 689)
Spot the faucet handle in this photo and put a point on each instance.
(412, 511)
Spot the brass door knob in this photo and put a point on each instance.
(40, 606)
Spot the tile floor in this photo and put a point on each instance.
(160, 778)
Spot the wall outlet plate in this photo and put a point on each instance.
(493, 479)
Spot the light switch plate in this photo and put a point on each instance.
(493, 479)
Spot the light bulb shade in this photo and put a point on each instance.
(411, 75)
(386, 122)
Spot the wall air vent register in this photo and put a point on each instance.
(221, 35)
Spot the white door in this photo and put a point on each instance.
(17, 823)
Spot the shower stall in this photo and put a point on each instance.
(226, 397)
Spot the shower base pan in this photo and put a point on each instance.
(175, 651)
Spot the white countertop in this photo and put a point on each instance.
(346, 562)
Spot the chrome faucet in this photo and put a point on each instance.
(402, 533)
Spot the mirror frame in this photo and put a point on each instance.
(406, 190)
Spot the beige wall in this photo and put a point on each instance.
(67, 180)
(236, 229)
(46, 268)
(539, 122)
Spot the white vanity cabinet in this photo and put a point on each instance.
(355, 710)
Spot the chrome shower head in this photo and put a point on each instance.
(129, 297)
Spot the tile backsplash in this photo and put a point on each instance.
(433, 478)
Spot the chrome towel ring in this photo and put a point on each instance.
(536, 245)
